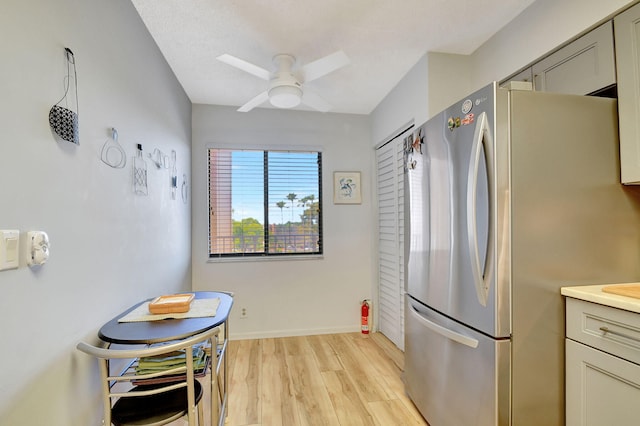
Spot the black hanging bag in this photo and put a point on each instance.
(63, 121)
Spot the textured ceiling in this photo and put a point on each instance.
(382, 38)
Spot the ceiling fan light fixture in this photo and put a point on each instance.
(285, 83)
(285, 96)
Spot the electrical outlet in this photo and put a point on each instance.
(243, 313)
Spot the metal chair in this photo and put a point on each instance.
(140, 397)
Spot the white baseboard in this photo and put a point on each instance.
(291, 333)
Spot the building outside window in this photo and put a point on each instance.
(264, 203)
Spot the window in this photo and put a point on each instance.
(264, 203)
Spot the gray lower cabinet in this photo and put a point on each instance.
(627, 33)
(584, 66)
(602, 365)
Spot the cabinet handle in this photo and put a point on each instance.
(615, 333)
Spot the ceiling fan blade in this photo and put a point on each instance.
(244, 66)
(262, 97)
(324, 66)
(315, 101)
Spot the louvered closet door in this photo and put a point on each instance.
(390, 180)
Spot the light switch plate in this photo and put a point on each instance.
(9, 248)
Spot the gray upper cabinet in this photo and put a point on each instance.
(584, 66)
(524, 75)
(627, 31)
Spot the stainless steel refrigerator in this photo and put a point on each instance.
(512, 194)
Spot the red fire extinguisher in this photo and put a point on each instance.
(364, 311)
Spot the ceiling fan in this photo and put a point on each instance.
(285, 89)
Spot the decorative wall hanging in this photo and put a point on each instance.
(64, 121)
(112, 153)
(159, 158)
(185, 189)
(346, 188)
(174, 175)
(140, 173)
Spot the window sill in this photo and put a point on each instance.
(265, 258)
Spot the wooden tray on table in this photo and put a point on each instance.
(171, 304)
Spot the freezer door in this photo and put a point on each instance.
(452, 225)
(455, 375)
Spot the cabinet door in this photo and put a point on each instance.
(627, 31)
(581, 67)
(601, 389)
(390, 194)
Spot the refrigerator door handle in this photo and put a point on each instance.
(443, 331)
(481, 136)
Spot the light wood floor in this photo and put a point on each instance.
(337, 379)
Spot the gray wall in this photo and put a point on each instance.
(436, 80)
(542, 27)
(291, 296)
(109, 248)
(440, 79)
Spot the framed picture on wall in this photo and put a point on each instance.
(346, 188)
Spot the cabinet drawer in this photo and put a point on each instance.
(612, 330)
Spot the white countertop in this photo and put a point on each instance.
(594, 293)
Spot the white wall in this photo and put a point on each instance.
(436, 81)
(405, 103)
(109, 248)
(291, 297)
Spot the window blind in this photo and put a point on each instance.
(264, 202)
